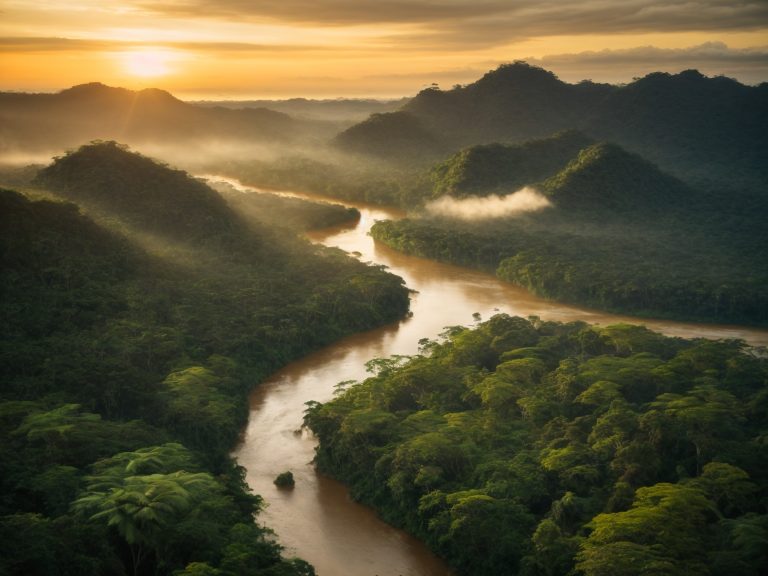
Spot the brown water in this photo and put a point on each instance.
(317, 520)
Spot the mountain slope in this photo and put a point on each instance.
(513, 103)
(496, 168)
(139, 192)
(707, 129)
(606, 178)
(94, 111)
(692, 123)
(394, 135)
(125, 370)
(621, 235)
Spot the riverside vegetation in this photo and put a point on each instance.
(657, 187)
(136, 320)
(131, 337)
(619, 234)
(540, 448)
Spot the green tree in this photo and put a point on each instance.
(660, 534)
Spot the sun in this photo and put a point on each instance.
(147, 63)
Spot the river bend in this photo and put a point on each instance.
(317, 520)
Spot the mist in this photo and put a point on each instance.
(525, 200)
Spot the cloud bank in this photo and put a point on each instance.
(483, 23)
(708, 52)
(597, 15)
(749, 65)
(373, 47)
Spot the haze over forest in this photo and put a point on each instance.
(209, 214)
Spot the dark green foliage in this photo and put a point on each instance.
(705, 129)
(293, 213)
(621, 235)
(515, 102)
(285, 480)
(392, 135)
(536, 448)
(140, 192)
(351, 177)
(604, 178)
(119, 346)
(496, 168)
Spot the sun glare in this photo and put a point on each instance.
(147, 63)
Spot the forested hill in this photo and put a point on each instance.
(397, 136)
(697, 127)
(125, 372)
(148, 197)
(538, 449)
(619, 234)
(139, 192)
(580, 177)
(43, 122)
(605, 178)
(500, 169)
(513, 103)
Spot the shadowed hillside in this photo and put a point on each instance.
(707, 129)
(53, 122)
(620, 234)
(512, 103)
(126, 365)
(606, 178)
(139, 192)
(394, 135)
(496, 168)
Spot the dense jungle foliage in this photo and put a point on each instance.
(500, 169)
(348, 178)
(621, 235)
(540, 449)
(130, 340)
(297, 214)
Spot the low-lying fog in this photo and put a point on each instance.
(526, 199)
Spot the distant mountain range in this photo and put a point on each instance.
(394, 135)
(335, 110)
(698, 127)
(31, 122)
(708, 131)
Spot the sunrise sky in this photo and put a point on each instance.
(237, 49)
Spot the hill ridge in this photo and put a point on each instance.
(705, 129)
(140, 192)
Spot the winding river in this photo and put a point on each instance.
(317, 520)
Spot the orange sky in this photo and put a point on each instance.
(330, 48)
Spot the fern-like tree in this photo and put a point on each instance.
(136, 495)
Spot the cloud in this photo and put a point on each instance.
(53, 44)
(428, 77)
(35, 44)
(750, 65)
(331, 12)
(430, 24)
(487, 207)
(707, 52)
